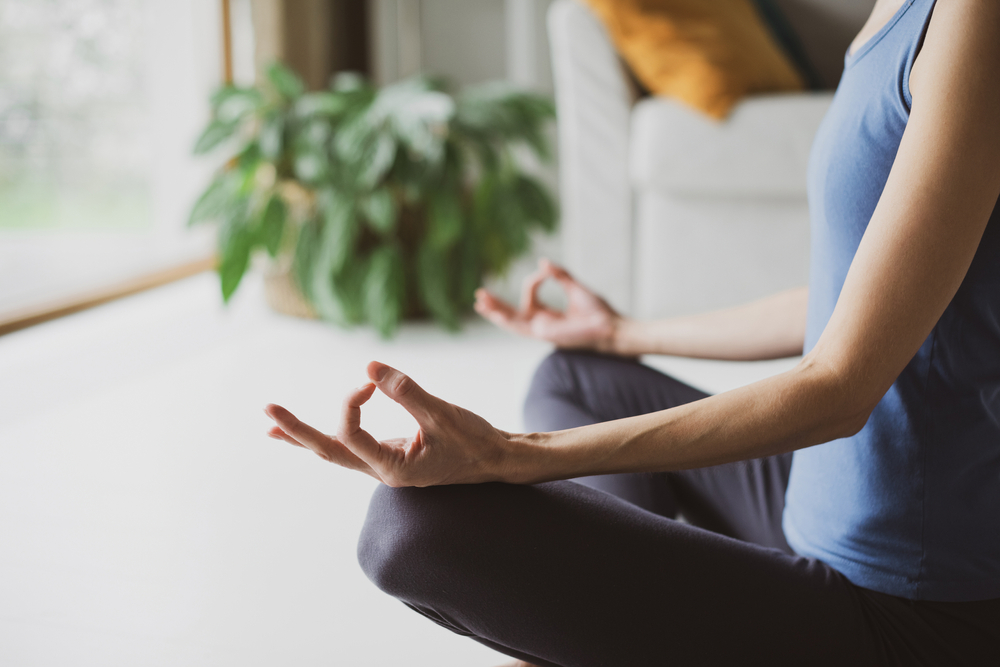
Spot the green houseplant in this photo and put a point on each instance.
(390, 203)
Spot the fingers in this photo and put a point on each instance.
(350, 417)
(276, 433)
(558, 273)
(402, 389)
(292, 430)
(485, 301)
(496, 310)
(355, 438)
(499, 313)
(290, 425)
(529, 292)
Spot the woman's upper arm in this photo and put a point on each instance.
(940, 194)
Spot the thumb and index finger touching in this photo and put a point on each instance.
(502, 313)
(350, 435)
(402, 389)
(394, 384)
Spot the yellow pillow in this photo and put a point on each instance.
(706, 53)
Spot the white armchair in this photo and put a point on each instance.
(666, 211)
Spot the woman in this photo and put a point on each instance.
(877, 542)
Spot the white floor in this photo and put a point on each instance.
(146, 520)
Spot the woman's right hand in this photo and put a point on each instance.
(588, 323)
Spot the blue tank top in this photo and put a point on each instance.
(910, 506)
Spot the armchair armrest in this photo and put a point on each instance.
(594, 98)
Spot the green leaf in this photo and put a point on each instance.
(339, 227)
(213, 135)
(272, 137)
(534, 204)
(219, 196)
(310, 167)
(507, 221)
(231, 104)
(331, 268)
(539, 143)
(322, 104)
(445, 220)
(377, 160)
(483, 198)
(235, 243)
(272, 224)
(498, 113)
(304, 261)
(489, 156)
(349, 286)
(385, 289)
(249, 158)
(379, 209)
(470, 270)
(322, 294)
(417, 113)
(435, 286)
(490, 217)
(316, 133)
(353, 139)
(344, 82)
(285, 81)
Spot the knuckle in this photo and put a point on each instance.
(449, 416)
(402, 385)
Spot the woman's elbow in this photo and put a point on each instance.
(845, 400)
(853, 421)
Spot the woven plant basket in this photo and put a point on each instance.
(281, 292)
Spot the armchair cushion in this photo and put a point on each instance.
(706, 54)
(761, 151)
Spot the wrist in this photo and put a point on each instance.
(528, 459)
(619, 341)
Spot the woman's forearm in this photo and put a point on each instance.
(771, 328)
(806, 406)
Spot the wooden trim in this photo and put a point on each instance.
(27, 317)
(227, 43)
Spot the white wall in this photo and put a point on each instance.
(467, 41)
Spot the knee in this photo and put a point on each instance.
(412, 537)
(390, 539)
(556, 371)
(553, 379)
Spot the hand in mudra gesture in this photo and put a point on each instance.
(587, 323)
(451, 446)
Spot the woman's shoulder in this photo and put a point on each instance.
(963, 40)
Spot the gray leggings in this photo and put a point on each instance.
(598, 573)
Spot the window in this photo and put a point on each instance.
(100, 104)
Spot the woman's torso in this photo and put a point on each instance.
(909, 506)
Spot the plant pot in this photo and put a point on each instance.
(282, 293)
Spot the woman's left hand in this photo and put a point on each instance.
(452, 445)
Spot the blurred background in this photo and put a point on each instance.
(145, 519)
(101, 102)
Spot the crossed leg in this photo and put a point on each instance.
(597, 572)
(562, 575)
